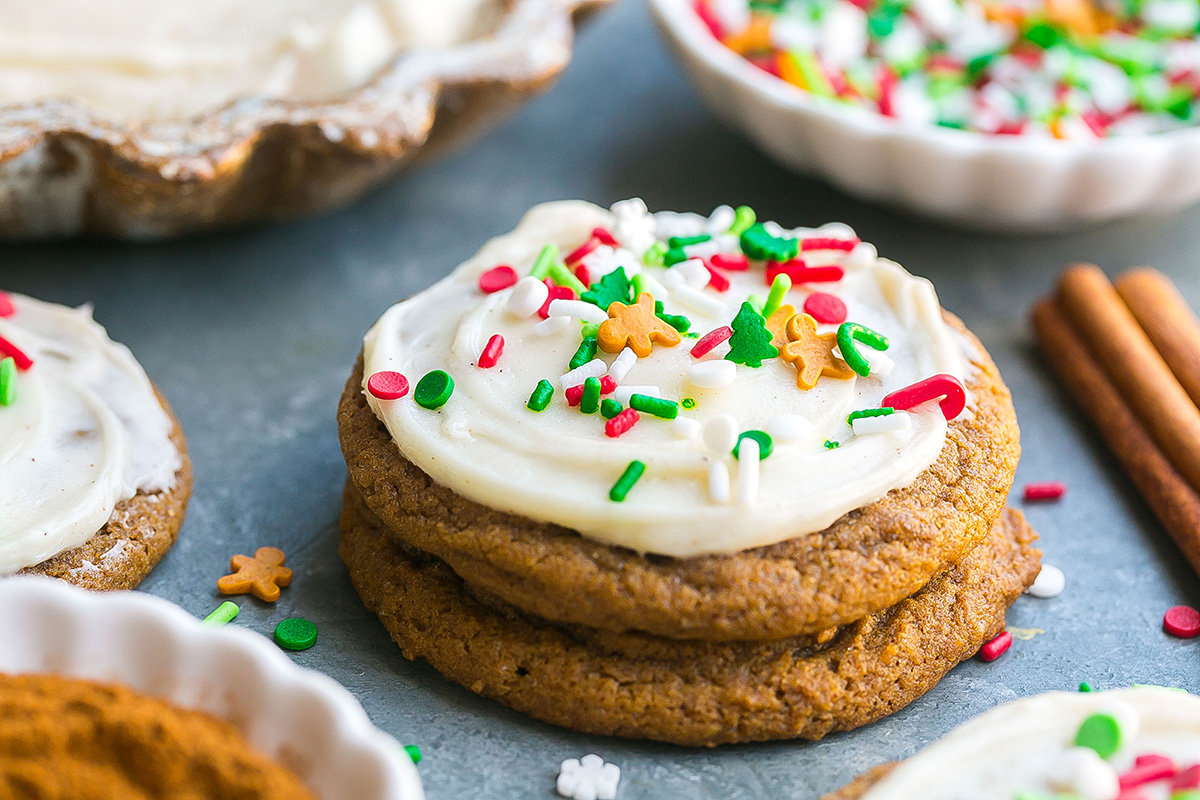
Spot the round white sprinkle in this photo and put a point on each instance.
(551, 325)
(1050, 582)
(686, 427)
(788, 427)
(1082, 772)
(712, 374)
(528, 295)
(720, 434)
(592, 369)
(718, 482)
(578, 309)
(622, 364)
(623, 393)
(899, 421)
(748, 471)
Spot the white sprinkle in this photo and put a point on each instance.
(748, 471)
(693, 272)
(720, 220)
(622, 364)
(588, 778)
(528, 295)
(697, 300)
(720, 433)
(655, 287)
(900, 421)
(579, 309)
(718, 482)
(686, 427)
(1050, 582)
(712, 374)
(881, 363)
(703, 249)
(623, 393)
(551, 325)
(789, 427)
(592, 369)
(1081, 771)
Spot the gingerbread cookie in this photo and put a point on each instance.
(95, 475)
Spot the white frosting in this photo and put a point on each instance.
(165, 59)
(86, 432)
(558, 465)
(1027, 746)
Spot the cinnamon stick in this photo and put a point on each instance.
(1174, 502)
(1168, 321)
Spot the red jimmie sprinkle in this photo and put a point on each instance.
(709, 19)
(716, 280)
(491, 352)
(608, 385)
(947, 387)
(735, 262)
(579, 252)
(828, 243)
(1147, 769)
(1182, 621)
(387, 385)
(582, 273)
(10, 350)
(604, 236)
(497, 278)
(1048, 490)
(7, 309)
(996, 647)
(621, 423)
(1188, 778)
(708, 341)
(799, 273)
(556, 293)
(825, 308)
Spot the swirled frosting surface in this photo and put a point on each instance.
(558, 465)
(86, 431)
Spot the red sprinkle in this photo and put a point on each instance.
(735, 262)
(953, 395)
(7, 309)
(716, 280)
(579, 252)
(10, 350)
(1188, 778)
(887, 91)
(1147, 769)
(799, 273)
(497, 278)
(1182, 621)
(825, 308)
(582, 273)
(491, 352)
(708, 18)
(708, 341)
(387, 385)
(575, 393)
(621, 423)
(1049, 490)
(829, 243)
(996, 647)
(604, 236)
(608, 384)
(556, 293)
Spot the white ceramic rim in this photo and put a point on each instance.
(302, 718)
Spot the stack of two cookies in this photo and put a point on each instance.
(646, 581)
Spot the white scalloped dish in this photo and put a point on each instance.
(303, 719)
(1014, 183)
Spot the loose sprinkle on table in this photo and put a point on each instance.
(1050, 490)
(261, 576)
(387, 385)
(1182, 621)
(413, 752)
(628, 478)
(1049, 583)
(434, 389)
(223, 614)
(295, 633)
(996, 646)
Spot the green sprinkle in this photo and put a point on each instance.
(654, 256)
(743, 218)
(295, 634)
(830, 444)
(564, 277)
(591, 329)
(677, 321)
(541, 396)
(585, 353)
(757, 303)
(1042, 35)
(869, 412)
(758, 244)
(1085, 687)
(686, 241)
(1186, 794)
(751, 341)
(813, 74)
(1102, 733)
(611, 288)
(8, 382)
(656, 406)
(688, 402)
(414, 753)
(589, 403)
(434, 389)
(609, 408)
(847, 334)
(226, 612)
(691, 335)
(545, 259)
(640, 286)
(1156, 686)
(779, 289)
(765, 443)
(674, 256)
(628, 478)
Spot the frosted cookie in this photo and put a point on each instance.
(1137, 743)
(572, 450)
(94, 473)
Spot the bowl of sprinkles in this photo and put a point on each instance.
(1021, 115)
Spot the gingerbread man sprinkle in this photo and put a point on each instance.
(261, 576)
(812, 353)
(777, 325)
(636, 326)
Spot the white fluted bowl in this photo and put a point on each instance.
(1013, 183)
(301, 718)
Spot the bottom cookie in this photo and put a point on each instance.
(687, 692)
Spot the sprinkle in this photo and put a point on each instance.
(716, 281)
(880, 363)
(676, 321)
(581, 272)
(656, 406)
(721, 433)
(261, 576)
(1182, 621)
(780, 286)
(1188, 778)
(747, 491)
(869, 412)
(799, 273)
(891, 423)
(646, 284)
(825, 243)
(577, 309)
(585, 353)
(1049, 490)
(720, 220)
(825, 308)
(613, 287)
(743, 218)
(705, 344)
(622, 364)
(1101, 732)
(656, 255)
(688, 402)
(555, 292)
(1147, 769)
(7, 309)
(551, 325)
(528, 296)
(691, 273)
(996, 646)
(789, 427)
(434, 389)
(8, 381)
(719, 488)
(589, 329)
(10, 350)
(750, 343)
(413, 752)
(541, 266)
(623, 393)
(609, 408)
(851, 332)
(1079, 772)
(542, 394)
(684, 241)
(497, 278)
(947, 387)
(674, 255)
(1085, 687)
(605, 237)
(592, 369)
(223, 614)
(1050, 582)
(686, 427)
(296, 633)
(628, 478)
(712, 374)
(588, 778)
(584, 249)
(763, 440)
(830, 444)
(698, 301)
(590, 402)
(564, 277)
(491, 352)
(758, 243)
(734, 262)
(621, 423)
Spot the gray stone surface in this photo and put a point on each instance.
(252, 333)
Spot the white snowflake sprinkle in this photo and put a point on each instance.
(588, 778)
